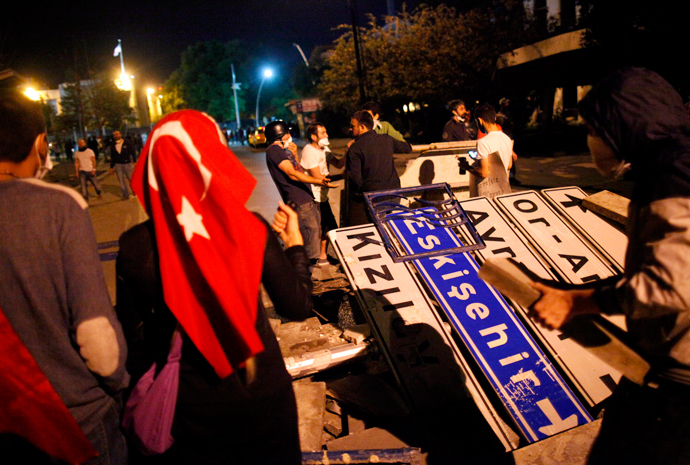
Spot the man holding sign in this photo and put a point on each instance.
(489, 174)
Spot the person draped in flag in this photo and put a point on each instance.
(62, 351)
(196, 265)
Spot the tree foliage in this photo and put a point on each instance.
(430, 55)
(93, 105)
(204, 79)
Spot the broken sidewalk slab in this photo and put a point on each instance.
(408, 455)
(311, 403)
(608, 204)
(309, 347)
(568, 448)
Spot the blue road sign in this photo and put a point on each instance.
(535, 395)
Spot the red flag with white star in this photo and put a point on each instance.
(210, 246)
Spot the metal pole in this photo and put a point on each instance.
(355, 38)
(122, 57)
(235, 87)
(258, 95)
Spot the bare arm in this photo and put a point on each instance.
(287, 168)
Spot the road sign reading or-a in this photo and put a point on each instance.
(593, 378)
(534, 394)
(604, 234)
(556, 240)
(414, 339)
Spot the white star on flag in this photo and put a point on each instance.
(191, 221)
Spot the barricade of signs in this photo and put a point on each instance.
(489, 341)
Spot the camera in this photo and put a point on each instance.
(462, 161)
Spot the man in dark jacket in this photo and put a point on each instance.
(122, 155)
(637, 123)
(370, 164)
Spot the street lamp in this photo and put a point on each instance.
(267, 74)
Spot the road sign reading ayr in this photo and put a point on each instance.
(593, 378)
(534, 394)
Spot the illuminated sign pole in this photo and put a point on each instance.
(235, 88)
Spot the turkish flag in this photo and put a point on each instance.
(30, 407)
(210, 246)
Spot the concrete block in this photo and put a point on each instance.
(372, 438)
(609, 205)
(357, 334)
(311, 403)
(568, 448)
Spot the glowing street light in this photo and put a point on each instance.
(31, 93)
(268, 72)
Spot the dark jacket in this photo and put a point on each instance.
(639, 115)
(370, 162)
(217, 420)
(128, 154)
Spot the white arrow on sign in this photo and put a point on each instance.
(557, 424)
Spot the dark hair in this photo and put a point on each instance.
(486, 112)
(373, 107)
(313, 130)
(455, 104)
(365, 118)
(21, 121)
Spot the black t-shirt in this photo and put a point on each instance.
(289, 190)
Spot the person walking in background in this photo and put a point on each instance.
(122, 157)
(195, 267)
(85, 169)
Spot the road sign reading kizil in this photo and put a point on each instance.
(534, 394)
(422, 355)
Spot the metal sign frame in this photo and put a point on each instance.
(443, 211)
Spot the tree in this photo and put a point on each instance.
(93, 105)
(204, 79)
(429, 56)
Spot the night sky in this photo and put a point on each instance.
(44, 41)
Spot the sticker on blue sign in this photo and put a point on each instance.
(534, 394)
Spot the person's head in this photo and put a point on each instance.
(374, 108)
(316, 132)
(81, 143)
(361, 122)
(277, 131)
(504, 103)
(117, 136)
(635, 116)
(485, 114)
(22, 132)
(457, 107)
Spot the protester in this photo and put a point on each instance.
(488, 175)
(85, 169)
(637, 122)
(122, 157)
(456, 128)
(382, 127)
(314, 161)
(196, 265)
(62, 353)
(370, 164)
(293, 183)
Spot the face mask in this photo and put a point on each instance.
(43, 167)
(286, 143)
(324, 142)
